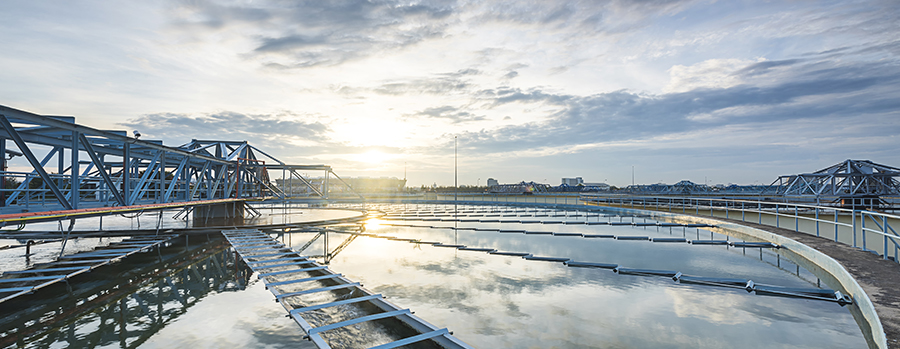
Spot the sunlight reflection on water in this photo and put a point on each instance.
(493, 301)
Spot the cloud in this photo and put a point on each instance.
(443, 84)
(267, 131)
(438, 86)
(713, 73)
(453, 114)
(301, 34)
(602, 16)
(765, 66)
(813, 90)
(309, 33)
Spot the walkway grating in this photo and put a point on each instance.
(239, 240)
(47, 274)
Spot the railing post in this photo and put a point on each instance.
(817, 220)
(853, 223)
(796, 218)
(884, 231)
(777, 217)
(759, 210)
(836, 225)
(862, 217)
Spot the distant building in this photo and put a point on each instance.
(573, 181)
(520, 188)
(360, 185)
(492, 182)
(376, 185)
(596, 186)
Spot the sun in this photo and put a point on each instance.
(374, 157)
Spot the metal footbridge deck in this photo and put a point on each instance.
(274, 261)
(21, 282)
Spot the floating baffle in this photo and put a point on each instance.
(809, 293)
(724, 282)
(755, 244)
(736, 283)
(653, 272)
(279, 266)
(547, 259)
(592, 265)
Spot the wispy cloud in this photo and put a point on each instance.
(276, 131)
(301, 34)
(453, 114)
(519, 83)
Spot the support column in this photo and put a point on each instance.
(162, 178)
(226, 213)
(76, 169)
(186, 181)
(325, 190)
(2, 168)
(126, 170)
(238, 191)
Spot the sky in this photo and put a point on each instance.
(666, 90)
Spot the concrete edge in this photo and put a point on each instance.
(819, 259)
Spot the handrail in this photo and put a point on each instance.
(778, 210)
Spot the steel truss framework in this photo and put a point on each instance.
(849, 178)
(687, 187)
(109, 168)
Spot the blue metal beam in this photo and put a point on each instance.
(34, 162)
(142, 183)
(27, 180)
(175, 179)
(201, 176)
(102, 169)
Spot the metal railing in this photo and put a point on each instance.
(859, 227)
(27, 190)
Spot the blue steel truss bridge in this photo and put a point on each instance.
(50, 163)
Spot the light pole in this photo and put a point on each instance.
(455, 189)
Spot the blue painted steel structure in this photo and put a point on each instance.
(96, 168)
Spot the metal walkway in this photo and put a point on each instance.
(19, 283)
(264, 254)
